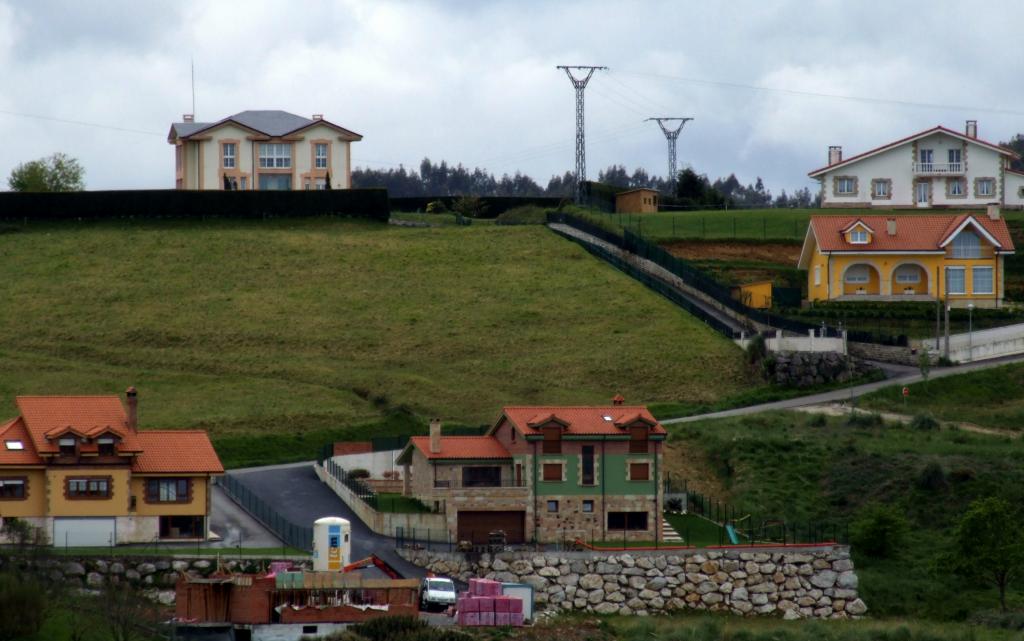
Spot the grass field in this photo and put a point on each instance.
(278, 336)
(781, 466)
(992, 398)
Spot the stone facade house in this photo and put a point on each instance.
(545, 474)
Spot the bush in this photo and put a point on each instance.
(437, 207)
(24, 596)
(924, 422)
(879, 531)
(862, 419)
(817, 420)
(932, 478)
(525, 215)
(756, 349)
(358, 473)
(674, 504)
(470, 207)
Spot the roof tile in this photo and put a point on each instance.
(582, 420)
(913, 232)
(176, 452)
(463, 447)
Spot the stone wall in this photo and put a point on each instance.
(806, 369)
(884, 353)
(813, 582)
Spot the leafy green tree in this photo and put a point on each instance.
(58, 172)
(988, 545)
(24, 596)
(879, 531)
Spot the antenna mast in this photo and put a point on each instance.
(581, 145)
(192, 64)
(671, 135)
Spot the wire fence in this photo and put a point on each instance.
(365, 493)
(297, 536)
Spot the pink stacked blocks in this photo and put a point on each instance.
(485, 605)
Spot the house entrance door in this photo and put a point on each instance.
(924, 189)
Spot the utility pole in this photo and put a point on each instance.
(670, 136)
(581, 148)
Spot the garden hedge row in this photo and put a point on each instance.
(172, 203)
(495, 205)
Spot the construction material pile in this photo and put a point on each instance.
(485, 605)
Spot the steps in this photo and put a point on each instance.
(669, 534)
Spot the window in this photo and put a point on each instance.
(321, 155)
(321, 184)
(639, 471)
(587, 465)
(880, 188)
(908, 274)
(519, 475)
(858, 274)
(242, 184)
(627, 520)
(275, 155)
(68, 446)
(12, 488)
(967, 245)
(859, 236)
(481, 476)
(638, 440)
(926, 159)
(552, 440)
(90, 487)
(846, 185)
(275, 182)
(552, 506)
(954, 159)
(955, 281)
(588, 507)
(984, 186)
(229, 155)
(105, 446)
(955, 187)
(14, 445)
(552, 472)
(309, 629)
(981, 280)
(817, 275)
(167, 491)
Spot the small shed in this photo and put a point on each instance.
(637, 201)
(757, 295)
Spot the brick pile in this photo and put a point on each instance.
(485, 605)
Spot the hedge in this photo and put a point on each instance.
(495, 204)
(172, 203)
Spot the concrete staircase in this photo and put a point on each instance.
(669, 534)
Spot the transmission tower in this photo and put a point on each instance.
(671, 135)
(581, 147)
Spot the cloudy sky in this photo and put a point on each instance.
(770, 83)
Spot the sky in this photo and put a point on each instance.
(770, 84)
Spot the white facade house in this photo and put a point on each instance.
(936, 168)
(262, 150)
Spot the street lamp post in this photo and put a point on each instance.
(970, 332)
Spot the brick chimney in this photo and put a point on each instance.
(835, 155)
(890, 226)
(618, 399)
(188, 117)
(435, 436)
(993, 211)
(132, 396)
(971, 129)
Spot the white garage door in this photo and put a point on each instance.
(83, 532)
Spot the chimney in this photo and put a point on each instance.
(188, 117)
(618, 399)
(890, 226)
(435, 436)
(318, 116)
(993, 211)
(971, 130)
(835, 155)
(132, 395)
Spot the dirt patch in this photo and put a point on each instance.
(778, 253)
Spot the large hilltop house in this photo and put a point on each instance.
(79, 468)
(266, 149)
(545, 474)
(935, 168)
(918, 257)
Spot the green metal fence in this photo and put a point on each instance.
(297, 536)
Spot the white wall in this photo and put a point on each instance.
(981, 344)
(375, 462)
(1012, 187)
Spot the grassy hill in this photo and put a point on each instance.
(280, 335)
(789, 465)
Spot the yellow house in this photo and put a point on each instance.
(79, 468)
(757, 294)
(954, 257)
(637, 201)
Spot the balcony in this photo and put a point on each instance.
(938, 168)
(477, 483)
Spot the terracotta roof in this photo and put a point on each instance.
(913, 232)
(920, 134)
(462, 447)
(51, 415)
(581, 420)
(176, 452)
(14, 430)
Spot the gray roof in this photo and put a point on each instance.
(272, 122)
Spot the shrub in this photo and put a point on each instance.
(391, 475)
(437, 207)
(358, 473)
(817, 420)
(879, 531)
(25, 597)
(524, 215)
(932, 478)
(674, 504)
(924, 422)
(470, 207)
(756, 349)
(862, 419)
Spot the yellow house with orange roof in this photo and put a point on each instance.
(954, 257)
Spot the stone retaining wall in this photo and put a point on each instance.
(794, 582)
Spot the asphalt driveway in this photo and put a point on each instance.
(299, 496)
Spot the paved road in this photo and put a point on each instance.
(236, 526)
(295, 491)
(843, 394)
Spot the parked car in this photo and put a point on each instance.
(437, 592)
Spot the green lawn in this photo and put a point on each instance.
(698, 531)
(280, 335)
(991, 398)
(780, 466)
(393, 502)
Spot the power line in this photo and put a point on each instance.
(581, 147)
(670, 136)
(81, 123)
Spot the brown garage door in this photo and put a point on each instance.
(476, 526)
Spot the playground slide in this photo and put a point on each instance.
(731, 532)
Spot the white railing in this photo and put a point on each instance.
(938, 168)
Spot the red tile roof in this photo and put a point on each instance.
(14, 430)
(582, 420)
(913, 232)
(176, 452)
(51, 415)
(463, 447)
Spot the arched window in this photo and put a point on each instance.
(966, 245)
(858, 274)
(908, 274)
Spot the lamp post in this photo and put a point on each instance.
(970, 332)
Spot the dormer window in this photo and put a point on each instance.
(68, 446)
(14, 445)
(105, 446)
(859, 236)
(552, 439)
(967, 245)
(638, 439)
